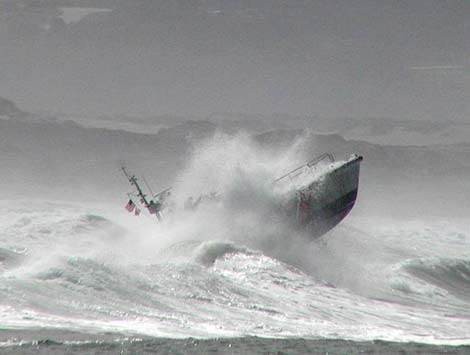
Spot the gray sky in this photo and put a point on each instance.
(394, 58)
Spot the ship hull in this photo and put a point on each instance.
(331, 198)
(321, 204)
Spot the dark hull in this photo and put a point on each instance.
(327, 218)
(326, 201)
(332, 198)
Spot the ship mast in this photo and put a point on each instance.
(133, 181)
(143, 197)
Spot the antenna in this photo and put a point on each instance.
(148, 186)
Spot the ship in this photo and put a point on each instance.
(314, 197)
(319, 194)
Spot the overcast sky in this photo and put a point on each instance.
(391, 58)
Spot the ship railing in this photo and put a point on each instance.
(308, 166)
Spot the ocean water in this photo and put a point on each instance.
(119, 281)
(230, 277)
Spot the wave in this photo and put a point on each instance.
(225, 269)
(452, 275)
(218, 289)
(201, 252)
(10, 259)
(208, 252)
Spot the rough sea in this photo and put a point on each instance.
(91, 278)
(87, 277)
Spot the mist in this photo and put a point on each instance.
(214, 100)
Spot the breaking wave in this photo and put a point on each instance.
(452, 275)
(9, 258)
(229, 268)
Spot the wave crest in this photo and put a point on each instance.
(452, 275)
